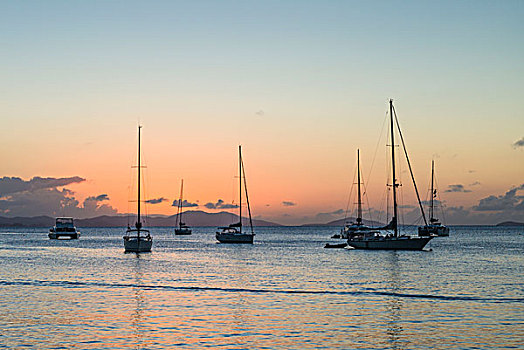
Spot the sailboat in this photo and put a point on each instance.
(434, 227)
(394, 241)
(233, 233)
(357, 228)
(182, 228)
(138, 239)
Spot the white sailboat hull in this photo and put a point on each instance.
(138, 244)
(235, 237)
(56, 235)
(390, 243)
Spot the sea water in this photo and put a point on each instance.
(283, 292)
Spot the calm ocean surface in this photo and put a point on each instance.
(284, 292)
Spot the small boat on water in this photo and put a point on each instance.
(357, 227)
(392, 241)
(434, 227)
(181, 228)
(138, 239)
(336, 245)
(233, 233)
(64, 227)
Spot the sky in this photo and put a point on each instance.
(301, 85)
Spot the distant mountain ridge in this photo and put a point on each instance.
(340, 222)
(191, 218)
(510, 223)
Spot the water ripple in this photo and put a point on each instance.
(367, 291)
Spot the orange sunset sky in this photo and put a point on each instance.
(300, 85)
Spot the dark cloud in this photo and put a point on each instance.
(288, 204)
(457, 188)
(185, 204)
(9, 185)
(220, 204)
(90, 206)
(44, 196)
(99, 198)
(156, 200)
(519, 143)
(52, 202)
(476, 183)
(406, 206)
(510, 201)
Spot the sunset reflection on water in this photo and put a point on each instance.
(284, 292)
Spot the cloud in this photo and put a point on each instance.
(288, 204)
(156, 200)
(476, 183)
(9, 185)
(99, 198)
(43, 196)
(510, 201)
(90, 207)
(260, 113)
(220, 204)
(185, 204)
(518, 143)
(456, 188)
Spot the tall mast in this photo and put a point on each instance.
(240, 184)
(432, 190)
(359, 212)
(394, 180)
(138, 223)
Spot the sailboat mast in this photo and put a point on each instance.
(139, 223)
(432, 190)
(394, 180)
(359, 212)
(240, 185)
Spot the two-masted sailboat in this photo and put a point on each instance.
(233, 233)
(357, 228)
(434, 227)
(138, 239)
(181, 228)
(394, 241)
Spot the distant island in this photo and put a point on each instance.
(191, 218)
(510, 223)
(341, 222)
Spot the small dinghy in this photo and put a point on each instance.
(339, 245)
